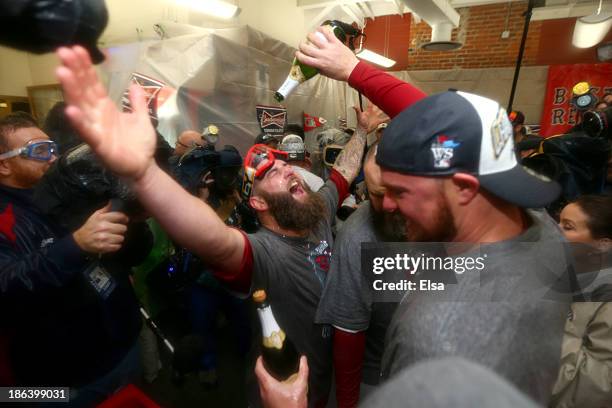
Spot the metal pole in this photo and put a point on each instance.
(519, 59)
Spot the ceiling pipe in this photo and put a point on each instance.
(442, 18)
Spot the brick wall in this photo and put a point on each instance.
(480, 32)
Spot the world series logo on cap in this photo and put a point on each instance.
(443, 150)
(501, 131)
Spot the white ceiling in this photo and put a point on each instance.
(290, 20)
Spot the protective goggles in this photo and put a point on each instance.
(259, 159)
(35, 150)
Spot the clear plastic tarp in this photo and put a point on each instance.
(218, 76)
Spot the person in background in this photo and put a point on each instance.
(294, 146)
(59, 129)
(267, 139)
(347, 302)
(518, 121)
(585, 376)
(186, 141)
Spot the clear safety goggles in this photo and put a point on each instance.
(36, 150)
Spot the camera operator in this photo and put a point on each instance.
(213, 176)
(577, 160)
(67, 321)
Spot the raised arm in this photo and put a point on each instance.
(333, 59)
(126, 143)
(348, 162)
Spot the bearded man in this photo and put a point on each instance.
(288, 257)
(360, 322)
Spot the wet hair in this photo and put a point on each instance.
(59, 129)
(11, 123)
(598, 209)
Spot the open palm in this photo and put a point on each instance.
(124, 141)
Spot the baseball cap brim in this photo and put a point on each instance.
(522, 187)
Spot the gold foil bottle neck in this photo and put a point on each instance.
(259, 296)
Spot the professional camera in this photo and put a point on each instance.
(577, 160)
(597, 123)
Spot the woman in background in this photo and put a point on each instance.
(585, 376)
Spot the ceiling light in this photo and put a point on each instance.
(441, 38)
(215, 8)
(591, 29)
(375, 58)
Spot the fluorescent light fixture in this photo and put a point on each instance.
(375, 58)
(590, 30)
(215, 8)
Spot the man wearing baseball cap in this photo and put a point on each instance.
(449, 167)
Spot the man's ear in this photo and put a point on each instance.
(5, 168)
(465, 187)
(258, 203)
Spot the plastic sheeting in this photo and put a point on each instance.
(218, 77)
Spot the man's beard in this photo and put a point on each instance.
(444, 226)
(391, 227)
(294, 215)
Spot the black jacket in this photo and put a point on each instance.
(61, 329)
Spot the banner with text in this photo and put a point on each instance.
(559, 115)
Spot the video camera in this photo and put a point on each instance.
(577, 160)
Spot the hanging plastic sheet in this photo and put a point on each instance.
(218, 76)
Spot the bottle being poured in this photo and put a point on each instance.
(301, 72)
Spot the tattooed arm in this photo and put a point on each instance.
(348, 162)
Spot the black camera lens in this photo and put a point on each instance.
(597, 123)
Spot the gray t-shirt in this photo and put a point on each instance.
(514, 333)
(347, 298)
(293, 272)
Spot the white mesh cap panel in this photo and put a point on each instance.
(497, 145)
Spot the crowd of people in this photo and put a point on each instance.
(84, 224)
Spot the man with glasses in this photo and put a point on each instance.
(64, 320)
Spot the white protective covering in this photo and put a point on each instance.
(219, 76)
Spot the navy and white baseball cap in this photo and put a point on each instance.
(458, 132)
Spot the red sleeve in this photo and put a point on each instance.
(348, 361)
(240, 280)
(341, 185)
(390, 94)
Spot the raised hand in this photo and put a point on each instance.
(332, 58)
(370, 118)
(124, 141)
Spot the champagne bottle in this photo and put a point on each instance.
(280, 357)
(301, 72)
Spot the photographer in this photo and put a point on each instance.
(577, 160)
(213, 176)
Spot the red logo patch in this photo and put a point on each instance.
(7, 223)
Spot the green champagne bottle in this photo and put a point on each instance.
(301, 72)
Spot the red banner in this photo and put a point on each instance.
(558, 115)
